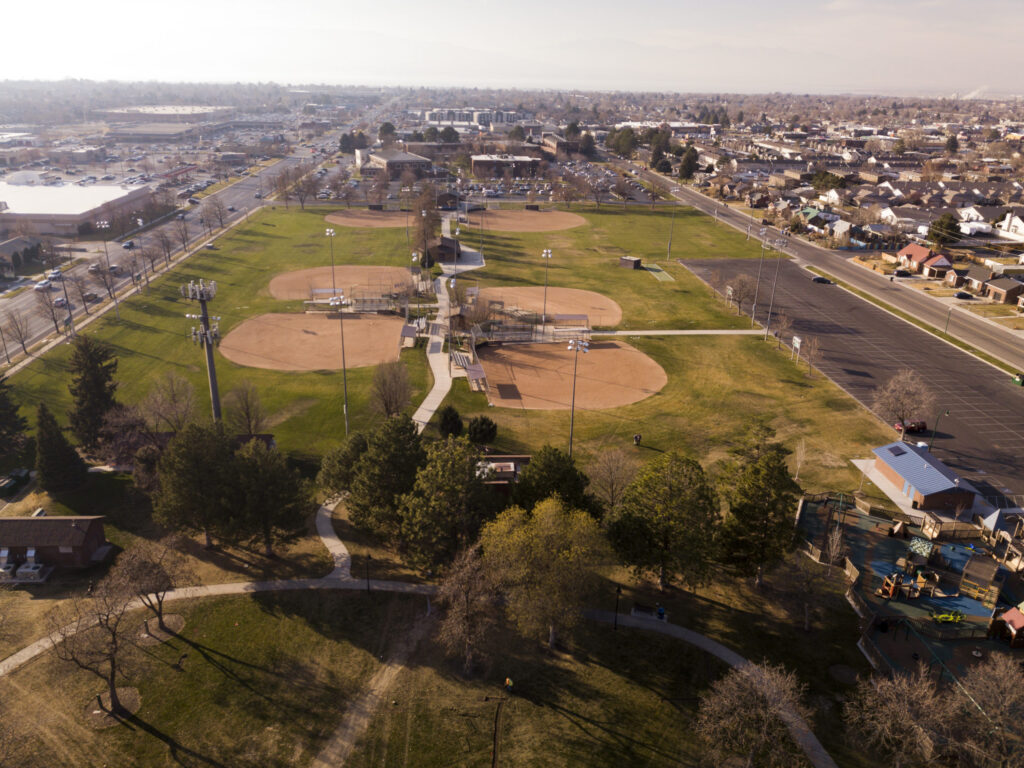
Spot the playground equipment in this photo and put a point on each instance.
(948, 617)
(891, 586)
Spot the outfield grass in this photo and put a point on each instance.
(305, 409)
(266, 679)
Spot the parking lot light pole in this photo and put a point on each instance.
(575, 346)
(330, 236)
(935, 428)
(546, 255)
(948, 313)
(338, 302)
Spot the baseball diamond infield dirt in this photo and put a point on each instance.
(349, 278)
(497, 220)
(600, 310)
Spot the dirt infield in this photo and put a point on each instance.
(525, 221)
(539, 376)
(312, 342)
(600, 310)
(499, 221)
(352, 280)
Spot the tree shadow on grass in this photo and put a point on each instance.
(179, 753)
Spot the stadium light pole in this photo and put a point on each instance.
(205, 335)
(546, 255)
(575, 345)
(330, 236)
(104, 225)
(671, 228)
(338, 302)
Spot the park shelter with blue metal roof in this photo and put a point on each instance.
(922, 478)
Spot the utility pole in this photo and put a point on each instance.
(205, 335)
(671, 227)
(760, 266)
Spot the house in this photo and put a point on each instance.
(1011, 225)
(69, 542)
(1003, 290)
(976, 277)
(919, 476)
(913, 257)
(937, 266)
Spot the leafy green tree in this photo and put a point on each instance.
(12, 425)
(386, 132)
(667, 521)
(587, 147)
(688, 163)
(758, 531)
(952, 145)
(197, 480)
(944, 230)
(482, 430)
(447, 505)
(544, 563)
(431, 134)
(572, 130)
(345, 144)
(449, 135)
(824, 181)
(899, 147)
(384, 473)
(338, 465)
(58, 465)
(449, 421)
(552, 472)
(271, 500)
(92, 388)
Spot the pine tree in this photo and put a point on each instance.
(93, 366)
(449, 421)
(12, 424)
(58, 465)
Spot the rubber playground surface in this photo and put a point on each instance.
(540, 376)
(349, 279)
(312, 342)
(600, 310)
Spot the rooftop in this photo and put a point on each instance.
(62, 199)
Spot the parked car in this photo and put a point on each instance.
(12, 482)
(114, 268)
(820, 279)
(128, 244)
(90, 296)
(60, 301)
(963, 295)
(93, 269)
(42, 285)
(54, 274)
(912, 427)
(902, 273)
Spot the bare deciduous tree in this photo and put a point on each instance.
(812, 353)
(743, 288)
(391, 390)
(902, 398)
(990, 732)
(305, 188)
(91, 633)
(163, 240)
(171, 403)
(743, 714)
(216, 209)
(108, 280)
(181, 229)
(782, 325)
(82, 288)
(243, 411)
(610, 473)
(471, 602)
(47, 308)
(906, 717)
(152, 569)
(18, 325)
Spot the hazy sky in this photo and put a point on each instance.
(905, 46)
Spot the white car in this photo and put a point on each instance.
(60, 301)
(42, 285)
(53, 274)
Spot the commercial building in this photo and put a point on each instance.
(393, 162)
(494, 166)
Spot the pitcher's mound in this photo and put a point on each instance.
(539, 376)
(600, 310)
(349, 279)
(313, 342)
(525, 221)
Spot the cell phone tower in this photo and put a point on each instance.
(206, 335)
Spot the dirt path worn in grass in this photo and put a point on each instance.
(357, 719)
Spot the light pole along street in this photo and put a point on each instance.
(338, 303)
(760, 266)
(575, 346)
(103, 226)
(780, 244)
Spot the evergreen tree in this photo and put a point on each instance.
(197, 482)
(447, 505)
(92, 387)
(12, 424)
(667, 521)
(552, 472)
(759, 531)
(339, 463)
(482, 430)
(58, 465)
(385, 472)
(688, 164)
(449, 421)
(271, 500)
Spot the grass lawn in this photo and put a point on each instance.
(1013, 323)
(992, 310)
(305, 409)
(266, 679)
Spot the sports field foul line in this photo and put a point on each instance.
(660, 273)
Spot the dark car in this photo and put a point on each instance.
(901, 273)
(12, 482)
(912, 427)
(963, 295)
(820, 279)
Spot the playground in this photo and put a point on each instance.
(540, 376)
(312, 341)
(600, 310)
(351, 279)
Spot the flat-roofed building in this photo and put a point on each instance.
(393, 162)
(494, 166)
(64, 209)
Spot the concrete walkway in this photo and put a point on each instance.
(710, 332)
(798, 729)
(437, 359)
(339, 552)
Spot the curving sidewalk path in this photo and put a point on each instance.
(798, 729)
